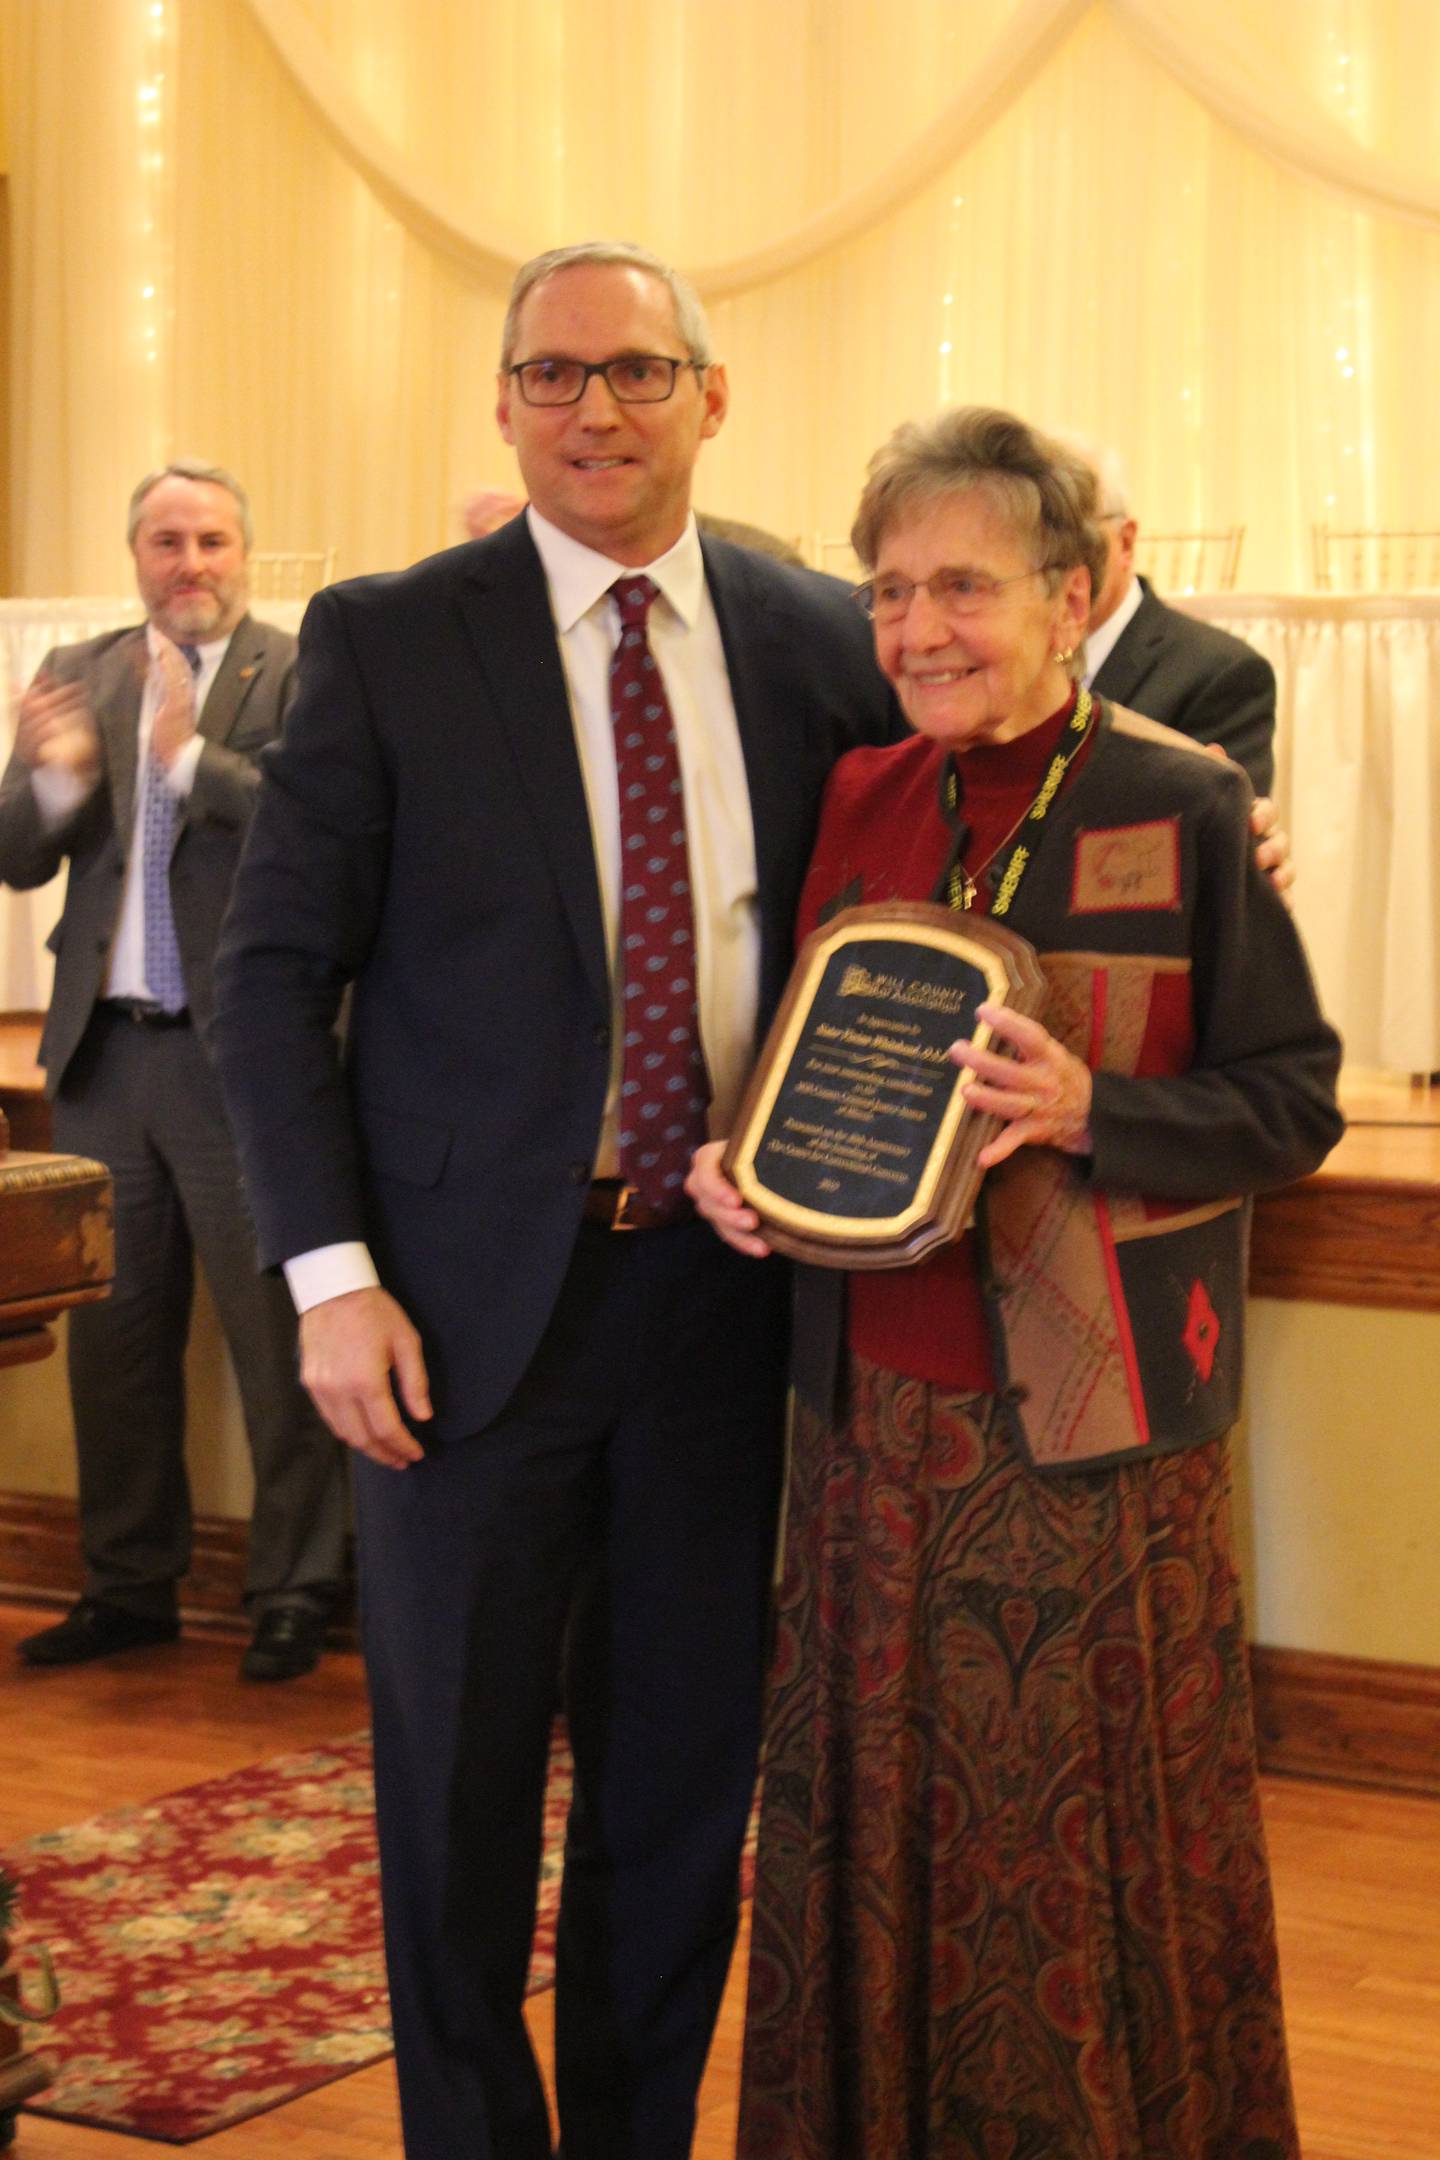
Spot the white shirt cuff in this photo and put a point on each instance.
(180, 775)
(329, 1272)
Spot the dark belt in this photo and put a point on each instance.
(611, 1204)
(145, 1015)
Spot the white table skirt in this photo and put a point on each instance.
(1358, 784)
(29, 629)
(1357, 778)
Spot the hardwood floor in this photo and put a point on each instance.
(1357, 1877)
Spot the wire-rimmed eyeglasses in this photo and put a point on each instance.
(955, 592)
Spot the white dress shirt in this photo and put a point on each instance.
(1102, 642)
(685, 639)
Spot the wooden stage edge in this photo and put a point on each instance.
(1365, 1229)
(1348, 1720)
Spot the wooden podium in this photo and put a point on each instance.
(57, 1244)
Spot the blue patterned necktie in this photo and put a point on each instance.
(664, 1089)
(159, 817)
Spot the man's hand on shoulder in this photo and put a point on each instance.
(1272, 850)
(349, 1348)
(1272, 846)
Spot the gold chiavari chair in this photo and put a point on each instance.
(1376, 559)
(290, 575)
(836, 556)
(1191, 562)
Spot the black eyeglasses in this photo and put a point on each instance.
(633, 379)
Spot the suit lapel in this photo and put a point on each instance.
(505, 605)
(758, 635)
(244, 662)
(1134, 654)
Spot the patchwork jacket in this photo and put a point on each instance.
(1115, 1284)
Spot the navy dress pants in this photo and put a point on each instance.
(616, 1523)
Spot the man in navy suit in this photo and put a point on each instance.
(564, 1395)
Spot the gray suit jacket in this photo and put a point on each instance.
(1190, 676)
(243, 712)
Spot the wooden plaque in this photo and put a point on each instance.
(854, 1143)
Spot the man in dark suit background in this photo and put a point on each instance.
(1168, 665)
(135, 761)
(476, 818)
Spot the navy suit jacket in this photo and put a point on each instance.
(1190, 676)
(422, 833)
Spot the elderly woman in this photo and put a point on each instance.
(1013, 1900)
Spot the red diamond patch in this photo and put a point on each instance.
(1201, 1336)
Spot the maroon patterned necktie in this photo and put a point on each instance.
(664, 1089)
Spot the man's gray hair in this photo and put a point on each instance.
(1107, 465)
(192, 469)
(689, 314)
(1045, 491)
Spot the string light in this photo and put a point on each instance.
(954, 269)
(153, 280)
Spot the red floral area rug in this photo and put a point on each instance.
(218, 1950)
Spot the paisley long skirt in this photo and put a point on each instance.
(1013, 1900)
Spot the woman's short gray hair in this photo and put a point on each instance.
(689, 314)
(1045, 491)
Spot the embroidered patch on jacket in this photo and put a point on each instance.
(1127, 866)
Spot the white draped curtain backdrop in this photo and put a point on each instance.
(279, 232)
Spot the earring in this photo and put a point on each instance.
(1063, 659)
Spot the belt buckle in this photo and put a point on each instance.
(623, 1198)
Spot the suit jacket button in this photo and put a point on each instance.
(602, 1036)
(579, 1173)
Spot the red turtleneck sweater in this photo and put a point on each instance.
(882, 825)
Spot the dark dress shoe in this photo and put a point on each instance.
(287, 1642)
(94, 1629)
